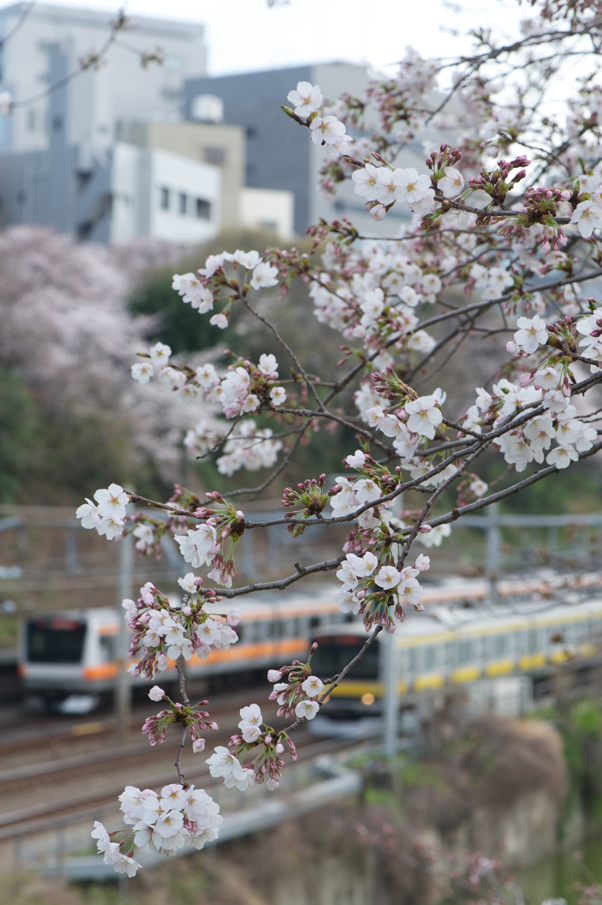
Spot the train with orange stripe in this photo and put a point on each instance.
(69, 660)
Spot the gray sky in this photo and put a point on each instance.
(246, 35)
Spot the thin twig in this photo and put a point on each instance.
(180, 667)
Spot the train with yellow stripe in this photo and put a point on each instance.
(69, 660)
(449, 647)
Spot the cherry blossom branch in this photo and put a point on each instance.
(502, 494)
(185, 699)
(92, 61)
(286, 347)
(334, 682)
(280, 584)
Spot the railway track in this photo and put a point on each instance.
(138, 752)
(44, 729)
(49, 815)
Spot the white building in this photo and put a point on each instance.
(98, 99)
(270, 210)
(156, 193)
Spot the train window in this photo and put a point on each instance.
(429, 658)
(334, 653)
(464, 652)
(499, 645)
(314, 622)
(108, 648)
(532, 640)
(55, 641)
(411, 660)
(295, 630)
(249, 632)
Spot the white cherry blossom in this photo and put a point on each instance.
(532, 333)
(452, 183)
(306, 98)
(264, 276)
(425, 416)
(306, 709)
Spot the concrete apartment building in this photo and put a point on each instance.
(119, 91)
(107, 194)
(280, 154)
(105, 156)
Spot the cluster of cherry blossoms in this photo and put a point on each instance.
(178, 816)
(296, 696)
(384, 185)
(249, 447)
(378, 592)
(373, 296)
(264, 743)
(164, 631)
(325, 128)
(216, 282)
(212, 543)
(109, 516)
(555, 420)
(244, 388)
(192, 718)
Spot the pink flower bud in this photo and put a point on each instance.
(187, 611)
(525, 379)
(378, 212)
(240, 515)
(425, 529)
(511, 347)
(274, 675)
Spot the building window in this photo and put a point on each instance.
(270, 226)
(164, 198)
(174, 62)
(172, 94)
(251, 131)
(49, 47)
(203, 209)
(216, 156)
(182, 203)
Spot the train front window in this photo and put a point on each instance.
(334, 653)
(55, 640)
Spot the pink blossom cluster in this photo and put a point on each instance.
(163, 632)
(297, 695)
(193, 718)
(377, 590)
(109, 516)
(266, 745)
(325, 128)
